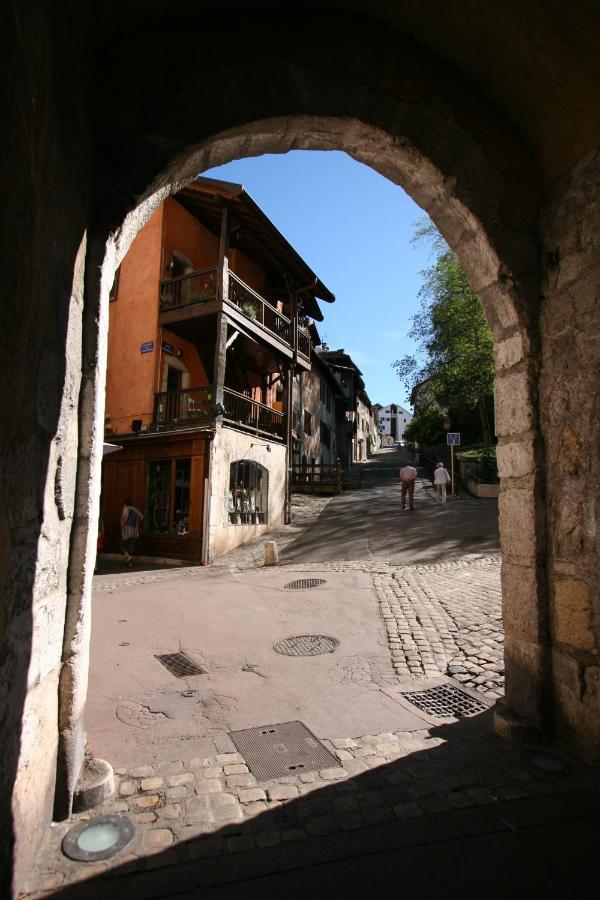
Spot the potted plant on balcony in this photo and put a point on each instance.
(249, 309)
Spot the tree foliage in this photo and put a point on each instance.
(455, 367)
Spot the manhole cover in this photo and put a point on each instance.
(274, 751)
(306, 645)
(180, 665)
(443, 701)
(303, 584)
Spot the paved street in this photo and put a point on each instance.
(369, 524)
(411, 602)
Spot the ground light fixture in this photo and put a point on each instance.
(98, 838)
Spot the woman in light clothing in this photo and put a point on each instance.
(441, 479)
(130, 530)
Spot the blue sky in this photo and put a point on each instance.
(353, 227)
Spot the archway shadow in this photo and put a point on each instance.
(434, 819)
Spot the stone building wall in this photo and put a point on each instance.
(570, 413)
(227, 447)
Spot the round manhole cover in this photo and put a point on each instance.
(306, 645)
(303, 584)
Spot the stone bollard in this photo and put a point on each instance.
(271, 554)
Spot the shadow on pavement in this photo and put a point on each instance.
(370, 524)
(433, 821)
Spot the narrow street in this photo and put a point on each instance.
(402, 603)
(370, 525)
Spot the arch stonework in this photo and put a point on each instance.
(110, 133)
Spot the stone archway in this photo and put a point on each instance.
(522, 219)
(508, 299)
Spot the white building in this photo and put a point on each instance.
(393, 420)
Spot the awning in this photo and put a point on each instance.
(110, 448)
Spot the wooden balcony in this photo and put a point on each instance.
(183, 409)
(248, 414)
(195, 407)
(199, 294)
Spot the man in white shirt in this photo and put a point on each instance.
(441, 479)
(407, 480)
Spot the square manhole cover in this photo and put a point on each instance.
(444, 701)
(274, 751)
(180, 664)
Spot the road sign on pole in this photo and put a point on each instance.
(453, 440)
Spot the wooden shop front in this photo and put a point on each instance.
(164, 476)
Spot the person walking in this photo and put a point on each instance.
(131, 518)
(408, 475)
(441, 480)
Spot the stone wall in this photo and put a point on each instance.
(570, 413)
(45, 190)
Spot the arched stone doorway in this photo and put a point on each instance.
(521, 213)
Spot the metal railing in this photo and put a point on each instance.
(256, 307)
(185, 290)
(243, 411)
(181, 407)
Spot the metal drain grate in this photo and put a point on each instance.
(306, 645)
(303, 584)
(443, 701)
(180, 665)
(275, 751)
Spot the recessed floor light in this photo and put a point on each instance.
(97, 838)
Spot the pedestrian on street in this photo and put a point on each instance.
(408, 475)
(131, 518)
(441, 480)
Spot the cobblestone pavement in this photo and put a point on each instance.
(206, 808)
(441, 620)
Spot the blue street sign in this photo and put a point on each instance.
(148, 347)
(167, 348)
(453, 439)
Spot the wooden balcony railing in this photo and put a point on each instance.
(256, 307)
(243, 411)
(304, 343)
(185, 290)
(317, 477)
(192, 405)
(201, 286)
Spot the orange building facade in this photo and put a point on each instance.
(208, 326)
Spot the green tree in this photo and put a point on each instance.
(453, 339)
(427, 427)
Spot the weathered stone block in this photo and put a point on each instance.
(516, 509)
(151, 784)
(572, 614)
(238, 769)
(147, 802)
(525, 677)
(178, 780)
(509, 352)
(513, 404)
(515, 458)
(251, 795)
(521, 611)
(208, 786)
(283, 792)
(157, 839)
